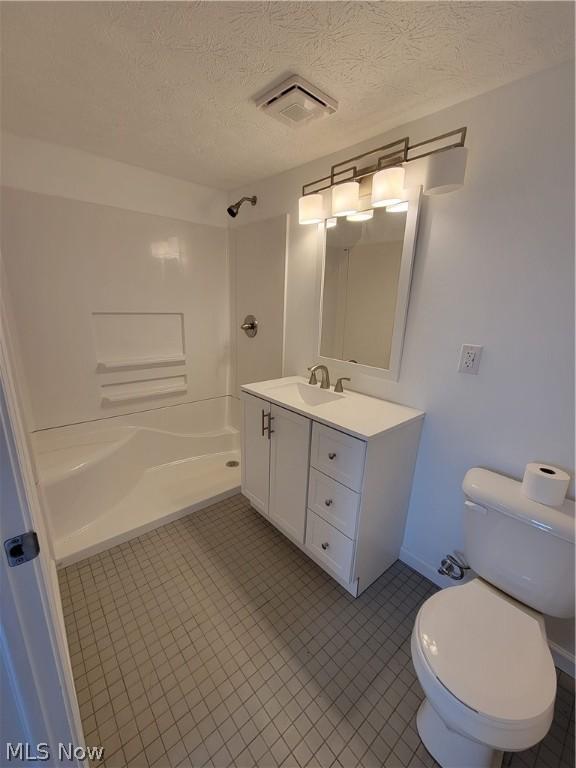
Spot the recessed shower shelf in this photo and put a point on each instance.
(121, 397)
(139, 362)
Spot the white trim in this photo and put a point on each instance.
(284, 297)
(402, 298)
(424, 568)
(563, 659)
(139, 362)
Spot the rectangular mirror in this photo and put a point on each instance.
(366, 284)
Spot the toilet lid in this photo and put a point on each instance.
(488, 651)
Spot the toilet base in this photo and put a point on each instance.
(449, 748)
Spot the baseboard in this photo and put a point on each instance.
(424, 568)
(563, 659)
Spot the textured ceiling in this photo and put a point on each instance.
(169, 86)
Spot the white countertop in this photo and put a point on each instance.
(359, 415)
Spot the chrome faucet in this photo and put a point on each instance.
(339, 387)
(325, 382)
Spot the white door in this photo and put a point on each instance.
(255, 451)
(258, 263)
(39, 707)
(289, 457)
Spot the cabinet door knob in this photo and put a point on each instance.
(331, 456)
(328, 502)
(325, 545)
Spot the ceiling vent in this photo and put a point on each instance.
(296, 102)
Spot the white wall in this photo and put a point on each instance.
(258, 264)
(79, 237)
(494, 266)
(50, 169)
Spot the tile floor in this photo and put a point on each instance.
(213, 641)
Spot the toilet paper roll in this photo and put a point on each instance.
(545, 484)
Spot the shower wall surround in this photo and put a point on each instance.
(258, 267)
(114, 310)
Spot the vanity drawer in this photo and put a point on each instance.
(336, 503)
(338, 455)
(329, 545)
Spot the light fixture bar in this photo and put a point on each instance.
(461, 132)
(387, 156)
(398, 154)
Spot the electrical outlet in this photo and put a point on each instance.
(470, 358)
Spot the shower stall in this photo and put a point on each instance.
(125, 331)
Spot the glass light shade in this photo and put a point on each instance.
(311, 209)
(387, 186)
(345, 198)
(401, 207)
(445, 172)
(331, 222)
(360, 216)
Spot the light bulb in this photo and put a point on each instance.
(387, 186)
(311, 209)
(360, 216)
(345, 198)
(446, 170)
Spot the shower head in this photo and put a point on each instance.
(233, 209)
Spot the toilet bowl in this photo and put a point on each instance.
(480, 649)
(483, 661)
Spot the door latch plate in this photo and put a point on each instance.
(20, 549)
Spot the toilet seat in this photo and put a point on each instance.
(484, 663)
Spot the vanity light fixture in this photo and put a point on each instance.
(311, 209)
(447, 164)
(331, 222)
(361, 216)
(445, 172)
(345, 198)
(387, 186)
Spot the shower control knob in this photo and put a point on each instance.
(328, 502)
(250, 326)
(325, 545)
(331, 456)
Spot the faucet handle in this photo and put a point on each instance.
(312, 379)
(338, 386)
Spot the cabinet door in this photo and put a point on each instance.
(255, 451)
(289, 457)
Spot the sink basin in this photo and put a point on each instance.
(359, 415)
(305, 393)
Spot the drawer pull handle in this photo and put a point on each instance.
(328, 502)
(325, 545)
(331, 456)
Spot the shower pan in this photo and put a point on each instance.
(111, 480)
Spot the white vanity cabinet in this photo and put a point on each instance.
(256, 449)
(276, 444)
(338, 490)
(289, 452)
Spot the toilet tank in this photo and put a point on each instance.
(524, 548)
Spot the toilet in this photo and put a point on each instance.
(480, 649)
